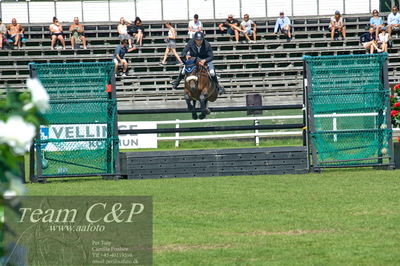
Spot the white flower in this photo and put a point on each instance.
(17, 186)
(17, 133)
(40, 98)
(9, 194)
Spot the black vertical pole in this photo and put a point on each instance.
(310, 116)
(388, 117)
(115, 135)
(32, 177)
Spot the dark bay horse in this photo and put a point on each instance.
(198, 87)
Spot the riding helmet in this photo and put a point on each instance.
(199, 36)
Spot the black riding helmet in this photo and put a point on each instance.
(199, 36)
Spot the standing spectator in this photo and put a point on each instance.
(56, 33)
(15, 32)
(337, 26)
(119, 55)
(231, 25)
(194, 26)
(77, 33)
(123, 30)
(368, 40)
(376, 22)
(247, 28)
(138, 31)
(3, 30)
(283, 25)
(383, 39)
(393, 21)
(171, 44)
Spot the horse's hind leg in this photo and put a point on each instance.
(203, 106)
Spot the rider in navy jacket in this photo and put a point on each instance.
(202, 51)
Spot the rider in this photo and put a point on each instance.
(202, 51)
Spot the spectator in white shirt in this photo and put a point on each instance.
(383, 39)
(195, 26)
(337, 26)
(283, 25)
(393, 21)
(123, 30)
(247, 28)
(56, 33)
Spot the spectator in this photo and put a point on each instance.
(337, 26)
(138, 31)
(171, 44)
(3, 30)
(56, 33)
(231, 25)
(283, 25)
(376, 22)
(119, 55)
(393, 22)
(383, 39)
(15, 32)
(247, 28)
(194, 26)
(368, 40)
(77, 33)
(123, 31)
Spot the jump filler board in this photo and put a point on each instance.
(215, 162)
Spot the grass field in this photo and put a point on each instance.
(349, 217)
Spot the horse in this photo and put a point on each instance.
(198, 87)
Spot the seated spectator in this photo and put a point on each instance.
(194, 26)
(231, 25)
(376, 22)
(119, 55)
(171, 44)
(3, 31)
(383, 40)
(138, 31)
(368, 40)
(337, 26)
(77, 33)
(56, 33)
(393, 22)
(247, 28)
(283, 25)
(15, 32)
(123, 31)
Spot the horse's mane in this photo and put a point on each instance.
(201, 70)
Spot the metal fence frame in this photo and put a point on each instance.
(162, 10)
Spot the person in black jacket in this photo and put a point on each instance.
(368, 40)
(202, 51)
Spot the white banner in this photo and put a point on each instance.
(91, 131)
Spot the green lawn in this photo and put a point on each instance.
(336, 217)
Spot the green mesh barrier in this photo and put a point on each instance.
(79, 137)
(74, 80)
(349, 103)
(77, 157)
(81, 111)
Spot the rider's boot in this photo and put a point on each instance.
(176, 82)
(220, 88)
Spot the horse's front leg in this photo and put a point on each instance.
(203, 106)
(191, 108)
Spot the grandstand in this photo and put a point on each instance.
(272, 67)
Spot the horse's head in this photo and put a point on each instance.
(190, 70)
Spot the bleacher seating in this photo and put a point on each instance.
(272, 67)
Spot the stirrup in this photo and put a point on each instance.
(221, 89)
